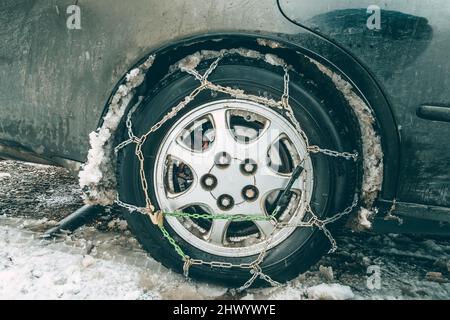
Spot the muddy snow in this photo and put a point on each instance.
(104, 261)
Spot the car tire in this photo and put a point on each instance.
(335, 180)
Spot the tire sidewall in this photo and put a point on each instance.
(305, 245)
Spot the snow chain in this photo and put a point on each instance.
(157, 216)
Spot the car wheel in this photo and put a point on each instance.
(232, 156)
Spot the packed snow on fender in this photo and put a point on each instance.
(104, 261)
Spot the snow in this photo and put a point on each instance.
(436, 277)
(274, 60)
(97, 176)
(363, 218)
(330, 292)
(371, 145)
(191, 62)
(133, 74)
(326, 273)
(301, 291)
(33, 268)
(4, 175)
(269, 43)
(108, 265)
(119, 224)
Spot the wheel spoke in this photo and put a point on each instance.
(270, 180)
(258, 149)
(249, 209)
(199, 162)
(223, 140)
(265, 228)
(193, 196)
(218, 231)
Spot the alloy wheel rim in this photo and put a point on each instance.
(231, 157)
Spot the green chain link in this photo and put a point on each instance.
(173, 243)
(238, 217)
(179, 214)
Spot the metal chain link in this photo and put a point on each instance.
(158, 216)
(332, 153)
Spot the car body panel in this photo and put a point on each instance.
(409, 58)
(55, 82)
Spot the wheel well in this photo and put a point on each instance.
(299, 57)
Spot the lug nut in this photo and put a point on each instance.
(208, 182)
(222, 160)
(225, 202)
(250, 193)
(248, 167)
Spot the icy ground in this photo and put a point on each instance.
(103, 260)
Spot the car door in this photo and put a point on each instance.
(406, 47)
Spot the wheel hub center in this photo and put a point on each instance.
(233, 185)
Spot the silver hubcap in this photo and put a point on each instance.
(231, 157)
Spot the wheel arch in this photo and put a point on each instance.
(321, 52)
